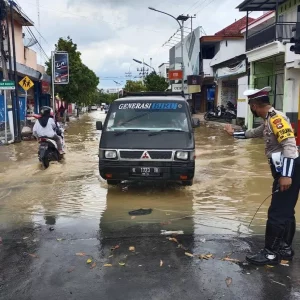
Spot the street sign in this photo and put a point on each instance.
(26, 83)
(175, 74)
(7, 85)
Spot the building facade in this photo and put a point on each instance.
(268, 53)
(27, 65)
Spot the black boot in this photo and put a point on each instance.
(286, 252)
(270, 254)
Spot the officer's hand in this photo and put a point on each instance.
(285, 183)
(228, 128)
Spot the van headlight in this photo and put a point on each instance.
(182, 155)
(110, 154)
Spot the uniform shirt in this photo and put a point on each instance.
(48, 131)
(278, 135)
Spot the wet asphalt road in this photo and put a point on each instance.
(52, 221)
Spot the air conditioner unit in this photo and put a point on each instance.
(297, 64)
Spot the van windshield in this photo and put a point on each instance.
(150, 116)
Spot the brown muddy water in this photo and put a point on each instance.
(232, 179)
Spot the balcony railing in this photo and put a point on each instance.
(275, 32)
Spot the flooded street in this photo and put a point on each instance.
(52, 221)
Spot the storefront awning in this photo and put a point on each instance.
(259, 5)
(231, 71)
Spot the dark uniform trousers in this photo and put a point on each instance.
(282, 210)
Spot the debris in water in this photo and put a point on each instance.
(115, 247)
(161, 263)
(133, 217)
(132, 248)
(231, 259)
(25, 237)
(122, 264)
(33, 255)
(164, 232)
(189, 254)
(93, 265)
(269, 266)
(166, 223)
(203, 240)
(71, 269)
(228, 281)
(173, 240)
(108, 265)
(89, 261)
(206, 256)
(59, 240)
(110, 256)
(81, 254)
(141, 212)
(285, 263)
(0, 240)
(277, 282)
(51, 228)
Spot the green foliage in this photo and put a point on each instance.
(134, 86)
(155, 83)
(101, 97)
(82, 88)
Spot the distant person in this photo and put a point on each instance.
(46, 127)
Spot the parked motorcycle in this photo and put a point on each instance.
(218, 113)
(48, 148)
(230, 112)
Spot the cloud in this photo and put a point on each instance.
(110, 33)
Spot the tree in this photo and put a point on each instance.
(134, 86)
(155, 83)
(83, 81)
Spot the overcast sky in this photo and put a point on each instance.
(109, 33)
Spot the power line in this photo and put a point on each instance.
(206, 5)
(92, 17)
(32, 34)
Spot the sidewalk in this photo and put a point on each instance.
(213, 124)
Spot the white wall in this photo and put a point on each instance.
(291, 90)
(207, 69)
(228, 50)
(242, 105)
(163, 70)
(192, 41)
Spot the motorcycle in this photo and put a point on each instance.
(218, 113)
(231, 112)
(48, 150)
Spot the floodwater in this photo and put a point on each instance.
(54, 222)
(232, 180)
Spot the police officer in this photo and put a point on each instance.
(284, 160)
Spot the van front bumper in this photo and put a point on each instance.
(168, 171)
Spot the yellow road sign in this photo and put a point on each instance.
(26, 83)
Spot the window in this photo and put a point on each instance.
(148, 116)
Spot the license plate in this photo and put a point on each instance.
(144, 171)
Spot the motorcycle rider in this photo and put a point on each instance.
(46, 127)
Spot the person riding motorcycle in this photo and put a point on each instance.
(46, 127)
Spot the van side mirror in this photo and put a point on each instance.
(99, 125)
(196, 122)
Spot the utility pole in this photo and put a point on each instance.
(16, 100)
(4, 50)
(180, 20)
(192, 17)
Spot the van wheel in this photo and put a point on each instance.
(113, 182)
(187, 183)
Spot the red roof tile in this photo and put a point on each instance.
(235, 28)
